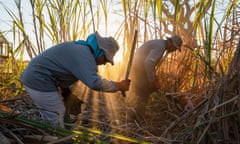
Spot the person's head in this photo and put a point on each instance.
(101, 60)
(174, 43)
(109, 45)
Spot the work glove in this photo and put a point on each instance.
(123, 85)
(65, 92)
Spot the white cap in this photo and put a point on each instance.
(177, 41)
(109, 45)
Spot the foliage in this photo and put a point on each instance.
(209, 43)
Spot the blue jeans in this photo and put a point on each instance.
(50, 105)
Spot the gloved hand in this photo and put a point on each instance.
(155, 84)
(65, 92)
(123, 85)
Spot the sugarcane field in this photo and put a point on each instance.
(119, 72)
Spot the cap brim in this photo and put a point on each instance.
(109, 60)
(179, 48)
(103, 43)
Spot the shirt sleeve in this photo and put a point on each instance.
(83, 66)
(151, 61)
(87, 73)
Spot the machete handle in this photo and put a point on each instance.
(130, 58)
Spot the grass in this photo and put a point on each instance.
(203, 70)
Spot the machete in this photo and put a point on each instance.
(130, 58)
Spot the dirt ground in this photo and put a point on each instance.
(109, 112)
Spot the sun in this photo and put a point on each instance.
(118, 58)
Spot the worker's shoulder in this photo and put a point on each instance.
(70, 45)
(153, 43)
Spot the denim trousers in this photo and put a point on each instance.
(50, 104)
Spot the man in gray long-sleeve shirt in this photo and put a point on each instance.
(62, 65)
(143, 78)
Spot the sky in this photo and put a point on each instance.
(6, 22)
